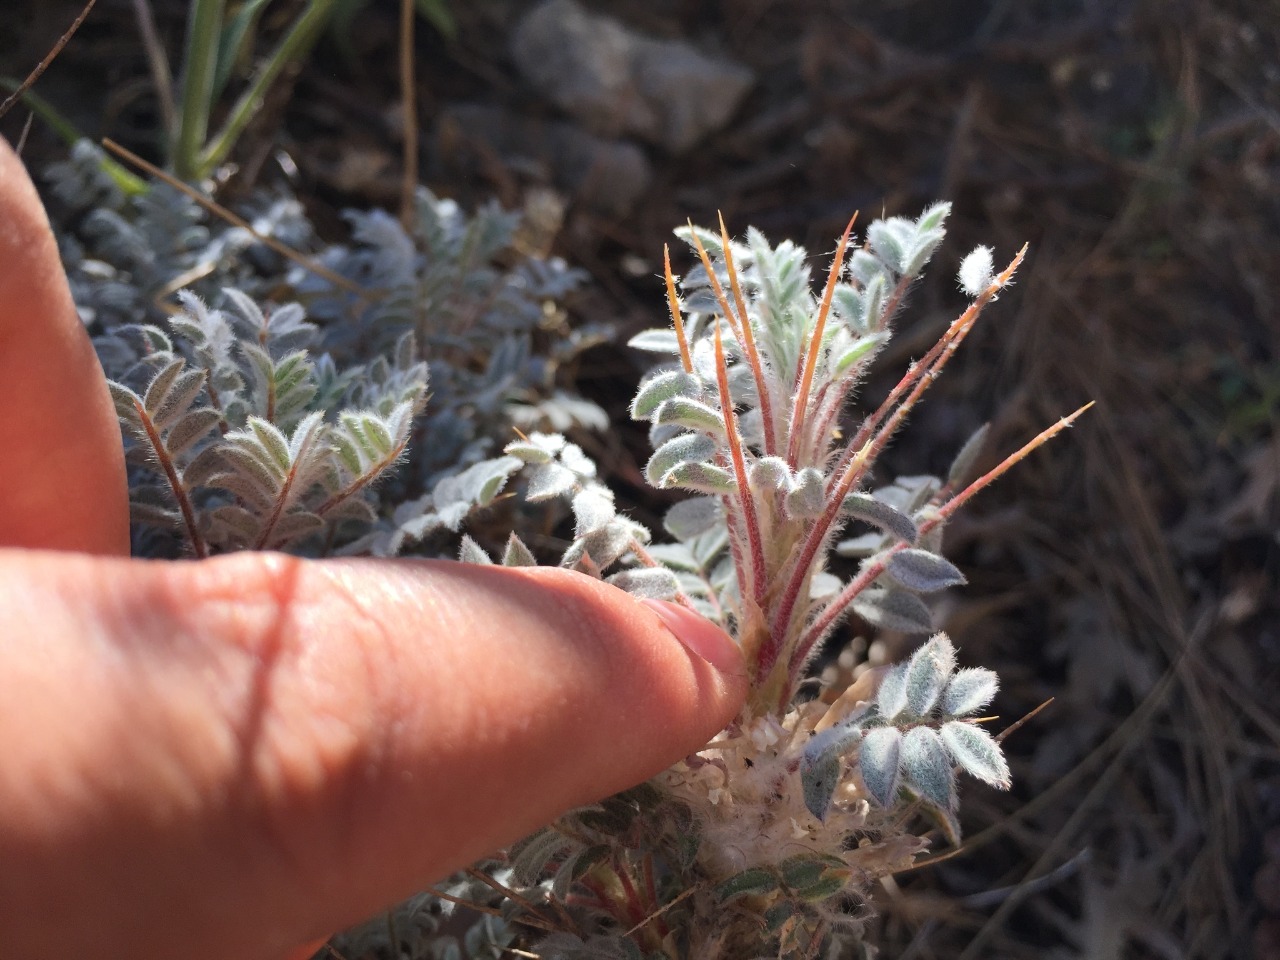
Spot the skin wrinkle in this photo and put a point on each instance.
(246, 606)
(312, 730)
(342, 690)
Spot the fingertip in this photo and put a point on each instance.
(700, 636)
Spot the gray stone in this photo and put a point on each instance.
(608, 176)
(615, 81)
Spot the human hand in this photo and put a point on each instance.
(230, 758)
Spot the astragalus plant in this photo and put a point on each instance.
(766, 842)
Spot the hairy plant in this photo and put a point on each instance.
(236, 429)
(766, 842)
(451, 288)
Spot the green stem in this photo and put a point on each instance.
(200, 66)
(69, 134)
(293, 46)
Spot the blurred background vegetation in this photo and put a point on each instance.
(1129, 570)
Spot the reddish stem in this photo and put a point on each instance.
(175, 484)
(673, 301)
(838, 606)
(759, 574)
(749, 342)
(800, 404)
(362, 481)
(861, 452)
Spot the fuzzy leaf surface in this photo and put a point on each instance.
(977, 752)
(962, 466)
(770, 473)
(656, 340)
(592, 509)
(702, 477)
(807, 496)
(547, 480)
(879, 762)
(819, 777)
(690, 414)
(927, 673)
(686, 448)
(893, 610)
(864, 507)
(926, 765)
(693, 517)
(922, 571)
(517, 554)
(749, 883)
(653, 583)
(968, 691)
(471, 552)
(661, 388)
(891, 698)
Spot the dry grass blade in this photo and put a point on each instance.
(409, 101)
(673, 301)
(219, 210)
(1021, 722)
(533, 921)
(661, 910)
(158, 61)
(43, 65)
(1121, 744)
(956, 502)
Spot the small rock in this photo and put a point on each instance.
(615, 81)
(608, 176)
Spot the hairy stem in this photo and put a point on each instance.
(759, 574)
(175, 483)
(673, 302)
(749, 342)
(837, 607)
(362, 481)
(800, 404)
(861, 452)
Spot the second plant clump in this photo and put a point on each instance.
(766, 842)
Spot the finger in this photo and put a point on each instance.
(65, 487)
(261, 750)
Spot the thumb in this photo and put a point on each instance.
(229, 758)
